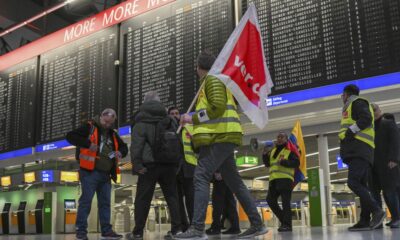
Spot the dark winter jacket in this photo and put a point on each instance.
(80, 138)
(143, 134)
(386, 150)
(350, 147)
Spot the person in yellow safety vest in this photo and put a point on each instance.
(99, 148)
(217, 131)
(185, 172)
(356, 136)
(282, 163)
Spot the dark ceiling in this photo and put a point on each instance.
(16, 11)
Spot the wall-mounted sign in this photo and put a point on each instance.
(340, 164)
(247, 161)
(47, 176)
(5, 181)
(29, 177)
(69, 176)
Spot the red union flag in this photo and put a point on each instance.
(241, 66)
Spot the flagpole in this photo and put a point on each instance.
(192, 104)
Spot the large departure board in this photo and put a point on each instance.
(78, 81)
(18, 105)
(311, 43)
(160, 51)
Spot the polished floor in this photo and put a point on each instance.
(299, 233)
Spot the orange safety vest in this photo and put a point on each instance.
(87, 157)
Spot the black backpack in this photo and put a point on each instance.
(167, 147)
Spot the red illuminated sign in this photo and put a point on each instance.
(107, 18)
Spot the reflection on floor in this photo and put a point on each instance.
(299, 233)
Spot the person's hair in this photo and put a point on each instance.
(283, 133)
(109, 112)
(205, 60)
(351, 89)
(151, 96)
(172, 108)
(389, 116)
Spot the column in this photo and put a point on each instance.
(324, 166)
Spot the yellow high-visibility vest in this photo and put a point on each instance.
(228, 122)
(277, 171)
(366, 135)
(190, 156)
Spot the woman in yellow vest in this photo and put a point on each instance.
(282, 163)
(357, 150)
(217, 131)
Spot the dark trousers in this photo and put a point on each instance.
(398, 196)
(186, 200)
(358, 178)
(223, 201)
(165, 176)
(213, 157)
(282, 188)
(390, 196)
(94, 182)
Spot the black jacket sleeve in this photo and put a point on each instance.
(138, 140)
(265, 158)
(393, 141)
(292, 162)
(80, 136)
(361, 113)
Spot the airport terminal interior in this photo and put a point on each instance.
(64, 61)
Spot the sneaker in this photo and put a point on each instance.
(81, 236)
(170, 235)
(131, 236)
(213, 232)
(377, 219)
(192, 234)
(285, 228)
(110, 236)
(360, 226)
(231, 231)
(253, 231)
(395, 224)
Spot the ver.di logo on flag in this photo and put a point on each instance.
(242, 67)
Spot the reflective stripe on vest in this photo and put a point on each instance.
(280, 172)
(87, 158)
(228, 122)
(190, 156)
(367, 135)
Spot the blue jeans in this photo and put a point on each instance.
(211, 158)
(94, 182)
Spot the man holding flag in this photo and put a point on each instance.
(239, 70)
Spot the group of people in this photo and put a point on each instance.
(182, 164)
(185, 163)
(369, 144)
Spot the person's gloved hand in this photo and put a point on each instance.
(350, 134)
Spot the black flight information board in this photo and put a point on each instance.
(320, 42)
(18, 86)
(160, 51)
(78, 81)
